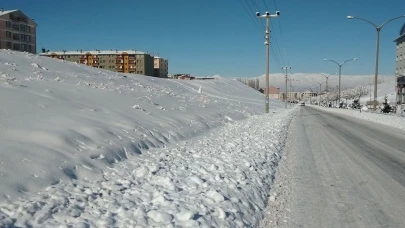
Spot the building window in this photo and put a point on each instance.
(8, 34)
(29, 48)
(22, 28)
(8, 44)
(22, 37)
(8, 24)
(29, 29)
(16, 27)
(28, 38)
(16, 36)
(16, 47)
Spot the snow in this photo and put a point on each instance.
(4, 12)
(89, 147)
(221, 179)
(385, 119)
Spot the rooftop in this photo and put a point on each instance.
(95, 52)
(401, 33)
(4, 12)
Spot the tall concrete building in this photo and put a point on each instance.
(17, 31)
(161, 67)
(130, 61)
(400, 41)
(400, 67)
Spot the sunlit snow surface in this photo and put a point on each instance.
(90, 147)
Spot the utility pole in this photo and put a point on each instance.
(286, 84)
(267, 15)
(369, 82)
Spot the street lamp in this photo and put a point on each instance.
(378, 28)
(340, 71)
(320, 91)
(327, 79)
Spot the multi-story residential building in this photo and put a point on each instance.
(131, 61)
(161, 67)
(400, 66)
(17, 31)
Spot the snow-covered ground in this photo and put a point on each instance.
(80, 143)
(386, 88)
(219, 180)
(386, 119)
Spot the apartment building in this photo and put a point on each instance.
(17, 31)
(400, 41)
(400, 67)
(161, 67)
(130, 61)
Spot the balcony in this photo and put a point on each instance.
(18, 18)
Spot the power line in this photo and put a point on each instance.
(265, 5)
(257, 10)
(250, 15)
(278, 47)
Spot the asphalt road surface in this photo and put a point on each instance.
(347, 172)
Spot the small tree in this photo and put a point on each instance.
(387, 107)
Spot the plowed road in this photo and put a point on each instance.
(346, 172)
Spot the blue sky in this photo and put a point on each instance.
(208, 37)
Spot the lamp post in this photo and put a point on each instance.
(378, 28)
(340, 71)
(327, 79)
(320, 91)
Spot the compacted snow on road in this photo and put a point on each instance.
(221, 179)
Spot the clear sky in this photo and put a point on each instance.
(209, 37)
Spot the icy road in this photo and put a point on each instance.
(340, 171)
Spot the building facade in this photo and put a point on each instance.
(274, 92)
(161, 67)
(400, 66)
(400, 41)
(17, 31)
(131, 61)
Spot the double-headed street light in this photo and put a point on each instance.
(327, 79)
(320, 91)
(378, 28)
(340, 71)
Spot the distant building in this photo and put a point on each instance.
(130, 61)
(183, 76)
(274, 92)
(161, 67)
(308, 94)
(17, 31)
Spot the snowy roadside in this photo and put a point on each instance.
(389, 120)
(219, 179)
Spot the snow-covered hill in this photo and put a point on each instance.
(61, 121)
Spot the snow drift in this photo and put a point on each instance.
(61, 121)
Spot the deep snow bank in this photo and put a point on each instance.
(219, 180)
(61, 121)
